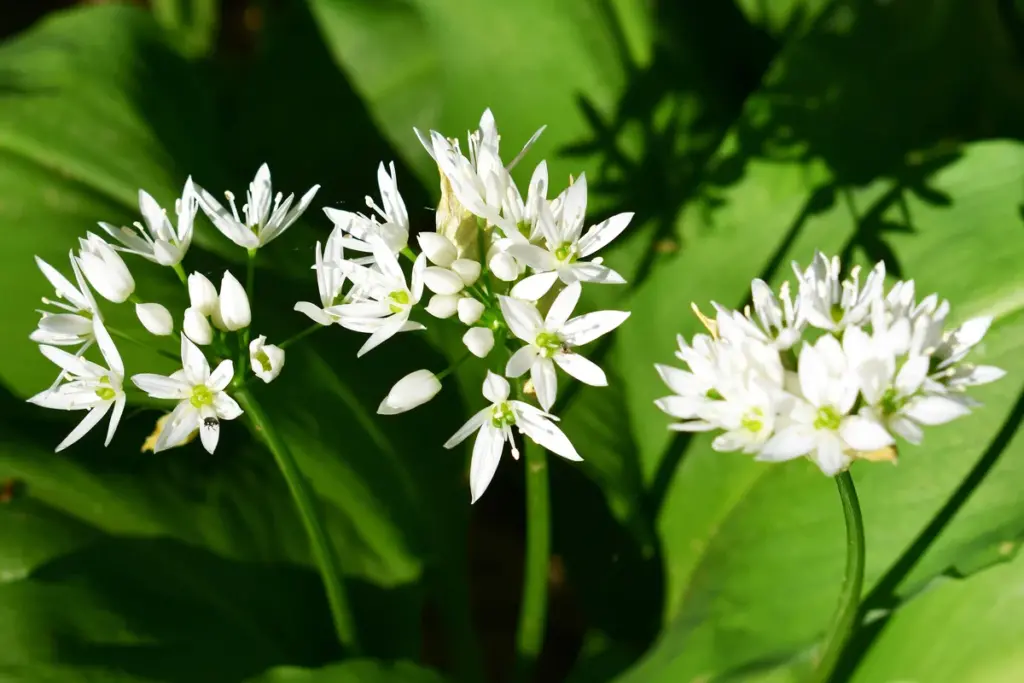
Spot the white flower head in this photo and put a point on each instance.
(264, 216)
(330, 279)
(265, 359)
(105, 269)
(87, 386)
(73, 325)
(381, 300)
(832, 304)
(389, 220)
(159, 240)
(493, 426)
(203, 403)
(561, 226)
(410, 392)
(550, 341)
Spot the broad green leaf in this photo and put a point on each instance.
(967, 631)
(754, 552)
(355, 670)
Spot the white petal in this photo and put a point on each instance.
(193, 362)
(829, 456)
(386, 331)
(486, 455)
(158, 386)
(467, 269)
(586, 328)
(155, 318)
(586, 271)
(479, 341)
(227, 408)
(681, 407)
(234, 303)
(91, 419)
(544, 432)
(789, 443)
(521, 361)
(563, 306)
(469, 310)
(313, 312)
(813, 375)
(221, 376)
(908, 429)
(442, 281)
(209, 428)
(533, 287)
(603, 233)
(183, 420)
(504, 267)
(522, 318)
(545, 382)
(911, 375)
(472, 424)
(864, 434)
(115, 418)
(582, 368)
(196, 327)
(438, 248)
(935, 410)
(224, 221)
(443, 305)
(533, 256)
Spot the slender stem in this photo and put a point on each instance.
(845, 618)
(127, 337)
(301, 335)
(250, 292)
(533, 610)
(302, 494)
(181, 273)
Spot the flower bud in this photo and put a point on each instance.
(468, 270)
(197, 328)
(439, 249)
(479, 341)
(155, 318)
(266, 359)
(202, 295)
(443, 305)
(504, 266)
(442, 281)
(234, 304)
(470, 310)
(105, 269)
(411, 391)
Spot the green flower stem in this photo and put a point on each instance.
(533, 609)
(181, 273)
(127, 337)
(845, 618)
(323, 552)
(301, 335)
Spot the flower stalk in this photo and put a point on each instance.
(312, 520)
(845, 619)
(534, 606)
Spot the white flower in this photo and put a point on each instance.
(384, 300)
(357, 229)
(494, 424)
(88, 386)
(329, 281)
(443, 305)
(196, 327)
(777, 321)
(481, 182)
(830, 304)
(202, 295)
(732, 384)
(260, 221)
(410, 392)
(549, 341)
(266, 359)
(818, 423)
(565, 244)
(233, 305)
(104, 269)
(203, 402)
(74, 325)
(155, 318)
(479, 341)
(159, 241)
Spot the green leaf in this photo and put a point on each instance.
(356, 670)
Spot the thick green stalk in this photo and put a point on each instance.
(845, 618)
(534, 607)
(302, 494)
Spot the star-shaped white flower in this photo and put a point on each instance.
(551, 340)
(159, 240)
(329, 281)
(561, 225)
(87, 386)
(828, 303)
(818, 424)
(393, 227)
(493, 426)
(381, 300)
(203, 401)
(73, 325)
(264, 216)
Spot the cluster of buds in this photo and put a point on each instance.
(494, 261)
(834, 374)
(217, 320)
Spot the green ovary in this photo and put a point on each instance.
(106, 393)
(548, 343)
(753, 421)
(714, 394)
(401, 298)
(201, 396)
(827, 418)
(891, 402)
(564, 252)
(264, 360)
(502, 416)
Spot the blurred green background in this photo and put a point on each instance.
(743, 133)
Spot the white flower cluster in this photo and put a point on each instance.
(493, 262)
(215, 319)
(834, 374)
